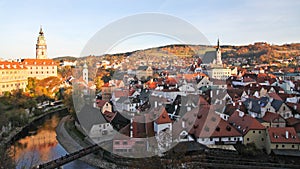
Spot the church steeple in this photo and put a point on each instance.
(41, 46)
(218, 53)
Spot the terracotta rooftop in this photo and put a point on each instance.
(270, 116)
(38, 62)
(283, 135)
(245, 122)
(11, 65)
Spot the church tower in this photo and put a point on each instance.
(218, 53)
(41, 46)
(85, 73)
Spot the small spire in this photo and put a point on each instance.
(218, 43)
(85, 65)
(41, 30)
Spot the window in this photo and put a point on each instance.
(117, 142)
(253, 131)
(259, 132)
(282, 146)
(248, 139)
(125, 143)
(293, 146)
(262, 139)
(276, 146)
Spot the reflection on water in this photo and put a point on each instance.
(40, 146)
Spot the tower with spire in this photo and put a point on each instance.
(218, 54)
(41, 46)
(85, 73)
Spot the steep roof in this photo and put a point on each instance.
(270, 116)
(203, 122)
(163, 116)
(244, 122)
(89, 116)
(283, 135)
(276, 104)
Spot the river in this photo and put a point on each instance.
(40, 145)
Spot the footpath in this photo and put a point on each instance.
(71, 144)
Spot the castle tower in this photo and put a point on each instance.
(41, 46)
(219, 55)
(85, 73)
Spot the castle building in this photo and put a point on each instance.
(14, 75)
(41, 67)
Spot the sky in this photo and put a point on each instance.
(69, 24)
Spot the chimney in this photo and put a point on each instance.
(183, 124)
(241, 114)
(188, 108)
(233, 104)
(211, 93)
(155, 104)
(217, 92)
(286, 134)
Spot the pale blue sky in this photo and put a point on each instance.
(69, 24)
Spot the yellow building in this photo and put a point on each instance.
(13, 76)
(282, 139)
(40, 68)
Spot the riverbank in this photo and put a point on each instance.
(15, 133)
(71, 144)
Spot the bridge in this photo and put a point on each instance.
(68, 157)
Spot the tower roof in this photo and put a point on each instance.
(41, 31)
(218, 44)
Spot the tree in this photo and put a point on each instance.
(6, 161)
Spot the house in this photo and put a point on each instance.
(201, 124)
(252, 130)
(144, 71)
(204, 82)
(281, 108)
(283, 138)
(127, 104)
(92, 124)
(103, 105)
(273, 120)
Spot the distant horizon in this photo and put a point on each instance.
(147, 48)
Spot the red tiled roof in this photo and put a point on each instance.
(224, 129)
(11, 65)
(100, 103)
(109, 116)
(39, 62)
(171, 81)
(121, 93)
(245, 122)
(163, 116)
(283, 135)
(270, 116)
(292, 121)
(275, 96)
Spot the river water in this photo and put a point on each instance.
(39, 145)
